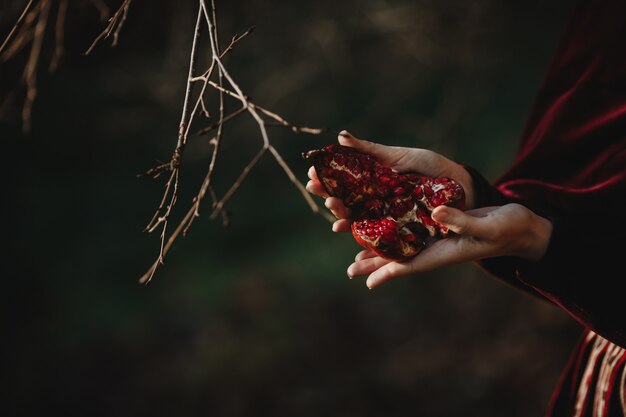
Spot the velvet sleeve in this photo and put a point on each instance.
(571, 169)
(504, 267)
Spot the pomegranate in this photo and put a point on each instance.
(390, 211)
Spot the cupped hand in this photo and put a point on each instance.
(509, 230)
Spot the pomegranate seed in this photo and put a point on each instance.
(399, 190)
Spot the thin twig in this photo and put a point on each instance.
(293, 179)
(184, 120)
(200, 100)
(246, 170)
(203, 109)
(300, 129)
(122, 20)
(58, 36)
(16, 25)
(21, 40)
(157, 218)
(234, 41)
(216, 147)
(24, 35)
(147, 277)
(226, 119)
(113, 27)
(30, 71)
(216, 54)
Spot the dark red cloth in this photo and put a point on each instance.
(571, 168)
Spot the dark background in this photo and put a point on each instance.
(259, 318)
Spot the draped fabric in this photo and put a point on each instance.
(594, 382)
(571, 169)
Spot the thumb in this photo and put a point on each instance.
(458, 221)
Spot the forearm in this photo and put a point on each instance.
(571, 259)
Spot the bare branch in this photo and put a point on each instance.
(216, 84)
(258, 114)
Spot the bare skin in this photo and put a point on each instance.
(509, 230)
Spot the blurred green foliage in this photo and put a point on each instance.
(259, 318)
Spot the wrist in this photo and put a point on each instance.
(538, 239)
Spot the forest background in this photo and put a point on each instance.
(259, 318)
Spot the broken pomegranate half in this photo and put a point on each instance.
(390, 211)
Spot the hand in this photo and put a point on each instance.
(400, 159)
(509, 230)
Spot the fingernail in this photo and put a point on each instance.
(350, 271)
(345, 133)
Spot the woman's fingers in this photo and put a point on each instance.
(430, 258)
(463, 223)
(341, 225)
(366, 266)
(477, 232)
(315, 187)
(364, 254)
(346, 139)
(336, 206)
(386, 272)
(443, 252)
(387, 155)
(468, 246)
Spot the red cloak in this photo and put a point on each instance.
(571, 168)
